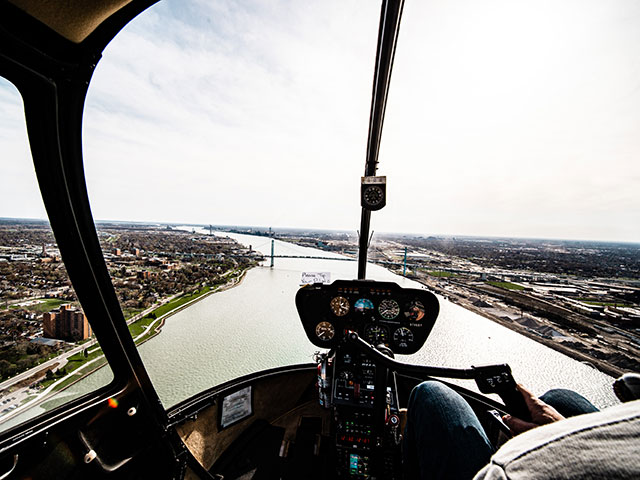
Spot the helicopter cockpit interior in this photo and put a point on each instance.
(364, 323)
(339, 416)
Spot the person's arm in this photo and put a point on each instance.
(541, 413)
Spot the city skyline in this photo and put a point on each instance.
(504, 120)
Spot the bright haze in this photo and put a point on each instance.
(516, 119)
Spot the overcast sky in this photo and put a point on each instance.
(505, 118)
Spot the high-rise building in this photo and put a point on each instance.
(49, 325)
(67, 323)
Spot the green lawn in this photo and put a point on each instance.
(77, 361)
(74, 362)
(603, 304)
(178, 302)
(506, 285)
(136, 328)
(46, 305)
(440, 273)
(130, 312)
(77, 375)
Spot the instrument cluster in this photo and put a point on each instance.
(380, 312)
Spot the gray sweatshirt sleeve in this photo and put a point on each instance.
(597, 445)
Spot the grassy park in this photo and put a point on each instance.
(506, 285)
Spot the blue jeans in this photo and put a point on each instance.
(444, 439)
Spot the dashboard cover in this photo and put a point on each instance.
(380, 312)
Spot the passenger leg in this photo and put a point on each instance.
(567, 402)
(443, 437)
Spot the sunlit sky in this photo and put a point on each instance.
(505, 118)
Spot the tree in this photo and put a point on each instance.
(4, 368)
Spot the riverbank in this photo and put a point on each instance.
(142, 329)
(535, 328)
(152, 331)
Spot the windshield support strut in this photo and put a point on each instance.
(390, 15)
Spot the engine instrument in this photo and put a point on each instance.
(325, 331)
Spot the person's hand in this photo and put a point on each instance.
(541, 413)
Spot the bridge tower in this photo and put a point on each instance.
(272, 242)
(404, 268)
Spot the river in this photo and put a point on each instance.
(255, 326)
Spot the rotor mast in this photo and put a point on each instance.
(390, 15)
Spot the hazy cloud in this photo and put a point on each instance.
(504, 118)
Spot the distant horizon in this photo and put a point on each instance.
(319, 229)
(518, 121)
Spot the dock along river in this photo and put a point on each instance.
(255, 326)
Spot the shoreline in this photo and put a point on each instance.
(50, 391)
(584, 357)
(598, 364)
(234, 282)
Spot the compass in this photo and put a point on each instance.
(373, 192)
(373, 195)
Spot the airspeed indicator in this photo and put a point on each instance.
(339, 306)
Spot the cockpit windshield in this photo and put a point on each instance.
(223, 147)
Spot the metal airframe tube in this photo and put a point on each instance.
(391, 12)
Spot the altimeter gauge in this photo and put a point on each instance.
(403, 337)
(325, 331)
(339, 306)
(389, 309)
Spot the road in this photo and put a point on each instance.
(12, 396)
(14, 399)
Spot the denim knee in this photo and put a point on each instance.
(431, 393)
(443, 437)
(567, 402)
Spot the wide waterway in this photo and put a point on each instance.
(255, 326)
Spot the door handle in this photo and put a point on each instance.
(91, 455)
(15, 464)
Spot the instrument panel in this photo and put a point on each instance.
(380, 312)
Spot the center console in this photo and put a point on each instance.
(366, 425)
(361, 392)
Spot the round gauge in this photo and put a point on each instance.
(345, 375)
(415, 311)
(339, 306)
(325, 331)
(403, 337)
(375, 334)
(373, 195)
(363, 305)
(389, 309)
